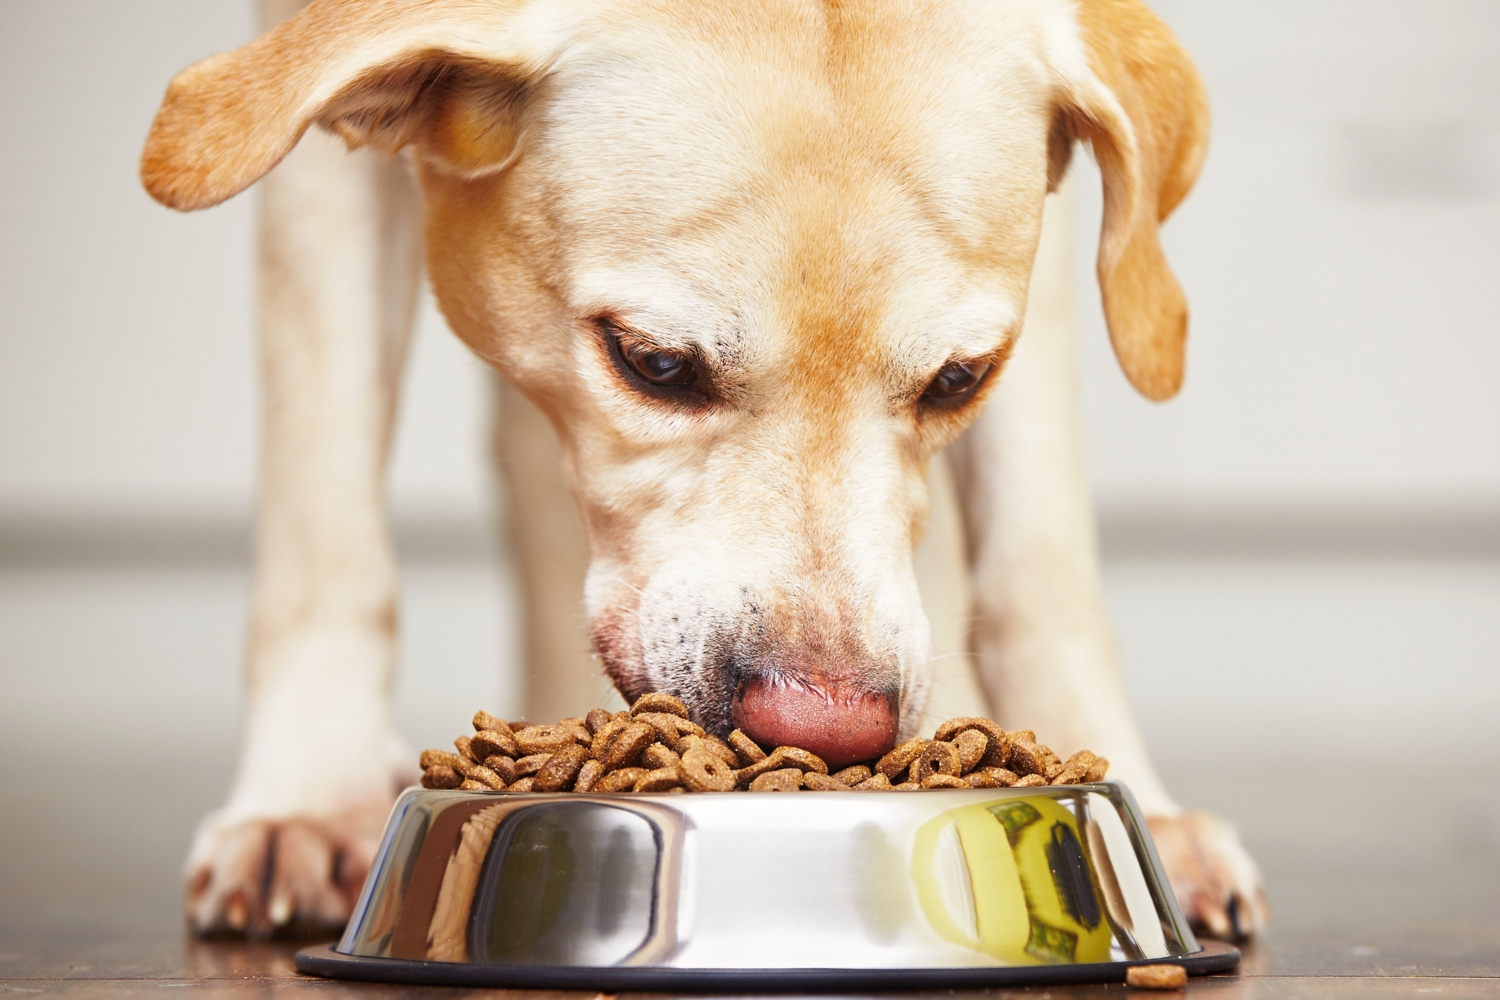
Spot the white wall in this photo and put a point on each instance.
(126, 366)
(127, 363)
(1341, 259)
(1339, 254)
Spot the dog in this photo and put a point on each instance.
(756, 263)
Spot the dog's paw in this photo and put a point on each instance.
(257, 877)
(1216, 882)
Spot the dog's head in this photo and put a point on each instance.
(757, 261)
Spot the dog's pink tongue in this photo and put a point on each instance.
(841, 727)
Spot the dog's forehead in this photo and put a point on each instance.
(778, 157)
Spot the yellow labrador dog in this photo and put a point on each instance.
(757, 262)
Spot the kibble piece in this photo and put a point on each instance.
(874, 783)
(773, 761)
(544, 739)
(470, 785)
(660, 701)
(659, 755)
(815, 782)
(782, 757)
(948, 730)
(940, 780)
(971, 744)
(714, 745)
(484, 721)
(441, 776)
(1075, 768)
(1026, 758)
(908, 786)
(622, 780)
(605, 735)
(465, 750)
(899, 759)
(1030, 781)
(483, 775)
(1002, 777)
(787, 779)
(803, 760)
(981, 779)
(588, 775)
(1021, 736)
(1156, 977)
(705, 772)
(431, 758)
(936, 758)
(628, 745)
(505, 767)
(670, 729)
(489, 742)
(687, 727)
(853, 774)
(997, 745)
(997, 754)
(748, 751)
(658, 780)
(582, 735)
(561, 768)
(523, 785)
(1051, 769)
(596, 719)
(528, 766)
(1098, 771)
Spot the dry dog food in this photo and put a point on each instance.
(655, 747)
(1156, 977)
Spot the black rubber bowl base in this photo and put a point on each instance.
(322, 960)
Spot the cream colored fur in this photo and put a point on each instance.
(825, 203)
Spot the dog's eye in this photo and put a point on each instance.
(659, 367)
(657, 372)
(956, 381)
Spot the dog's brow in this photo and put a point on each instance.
(713, 339)
(972, 326)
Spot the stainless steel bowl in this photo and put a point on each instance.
(802, 891)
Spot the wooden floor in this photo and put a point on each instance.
(1385, 881)
(135, 961)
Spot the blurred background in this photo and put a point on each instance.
(1302, 551)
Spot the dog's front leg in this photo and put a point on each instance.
(321, 759)
(1041, 635)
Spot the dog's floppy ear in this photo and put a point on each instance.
(1141, 105)
(447, 75)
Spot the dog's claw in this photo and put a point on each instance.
(236, 913)
(1215, 920)
(1237, 926)
(281, 909)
